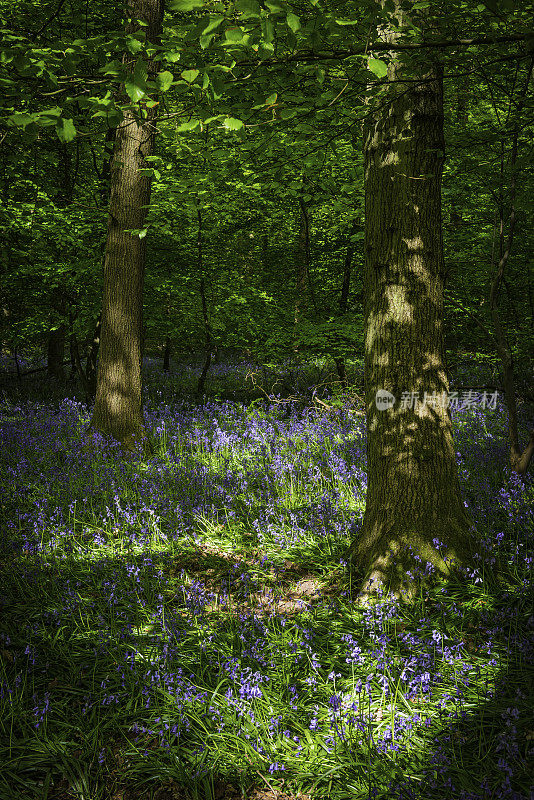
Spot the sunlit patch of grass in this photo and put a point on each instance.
(186, 619)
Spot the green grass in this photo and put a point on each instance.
(187, 621)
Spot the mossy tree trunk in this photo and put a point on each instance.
(118, 404)
(415, 519)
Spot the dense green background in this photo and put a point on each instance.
(259, 107)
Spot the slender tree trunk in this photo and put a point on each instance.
(344, 300)
(58, 334)
(304, 247)
(304, 287)
(17, 365)
(205, 315)
(347, 271)
(105, 176)
(118, 404)
(301, 295)
(56, 352)
(88, 375)
(76, 362)
(414, 509)
(519, 460)
(167, 355)
(92, 358)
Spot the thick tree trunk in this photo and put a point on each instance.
(118, 404)
(414, 515)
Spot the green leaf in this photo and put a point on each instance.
(135, 83)
(114, 117)
(65, 130)
(133, 44)
(233, 124)
(321, 74)
(111, 68)
(185, 127)
(234, 35)
(248, 8)
(293, 21)
(379, 67)
(189, 75)
(213, 24)
(134, 92)
(21, 120)
(185, 5)
(287, 113)
(267, 29)
(205, 41)
(217, 86)
(48, 117)
(164, 80)
(271, 99)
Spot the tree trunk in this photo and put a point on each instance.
(118, 405)
(205, 316)
(56, 352)
(92, 358)
(519, 460)
(167, 355)
(414, 514)
(302, 257)
(344, 300)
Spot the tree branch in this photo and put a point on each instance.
(49, 20)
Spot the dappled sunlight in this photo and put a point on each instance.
(198, 608)
(399, 310)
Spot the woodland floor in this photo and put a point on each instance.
(183, 626)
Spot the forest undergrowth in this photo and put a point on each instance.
(183, 625)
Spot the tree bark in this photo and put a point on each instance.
(56, 352)
(344, 300)
(519, 460)
(205, 316)
(167, 355)
(118, 404)
(414, 516)
(92, 358)
(301, 255)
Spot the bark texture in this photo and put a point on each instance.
(118, 404)
(415, 518)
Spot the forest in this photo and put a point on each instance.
(266, 400)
